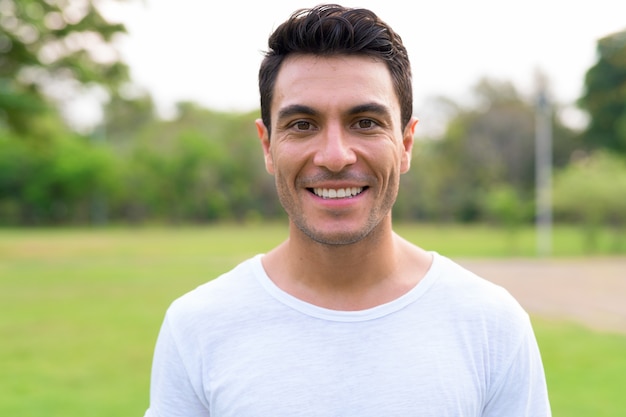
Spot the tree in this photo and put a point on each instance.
(53, 183)
(200, 166)
(504, 207)
(605, 95)
(125, 116)
(592, 191)
(47, 46)
(487, 144)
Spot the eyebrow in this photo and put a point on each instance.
(296, 109)
(300, 109)
(370, 108)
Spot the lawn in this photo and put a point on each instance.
(80, 310)
(585, 370)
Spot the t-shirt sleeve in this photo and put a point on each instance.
(173, 392)
(520, 391)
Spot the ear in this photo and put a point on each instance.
(407, 144)
(264, 137)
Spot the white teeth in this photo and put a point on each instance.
(338, 193)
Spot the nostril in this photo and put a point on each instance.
(335, 158)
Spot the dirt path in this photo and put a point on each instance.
(588, 291)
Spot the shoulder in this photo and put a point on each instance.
(464, 285)
(468, 297)
(483, 315)
(226, 295)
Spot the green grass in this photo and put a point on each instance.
(585, 370)
(80, 310)
(484, 241)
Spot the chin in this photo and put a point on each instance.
(335, 238)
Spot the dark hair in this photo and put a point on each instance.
(335, 30)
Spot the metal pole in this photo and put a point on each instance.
(543, 171)
(98, 209)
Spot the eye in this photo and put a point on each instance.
(365, 124)
(302, 125)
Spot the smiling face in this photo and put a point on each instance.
(337, 147)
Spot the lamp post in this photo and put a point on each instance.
(543, 172)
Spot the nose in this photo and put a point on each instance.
(334, 150)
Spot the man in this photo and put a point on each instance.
(345, 318)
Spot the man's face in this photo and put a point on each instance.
(337, 147)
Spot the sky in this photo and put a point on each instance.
(209, 51)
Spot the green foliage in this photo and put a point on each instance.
(485, 145)
(125, 116)
(201, 166)
(592, 191)
(44, 43)
(54, 182)
(205, 166)
(605, 95)
(504, 207)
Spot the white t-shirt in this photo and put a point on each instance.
(455, 345)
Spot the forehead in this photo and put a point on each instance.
(332, 83)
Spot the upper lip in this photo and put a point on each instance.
(341, 182)
(335, 185)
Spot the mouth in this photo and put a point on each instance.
(336, 193)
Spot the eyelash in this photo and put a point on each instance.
(300, 122)
(310, 124)
(372, 123)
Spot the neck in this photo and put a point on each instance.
(344, 266)
(377, 269)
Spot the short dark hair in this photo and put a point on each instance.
(329, 30)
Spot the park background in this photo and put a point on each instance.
(115, 199)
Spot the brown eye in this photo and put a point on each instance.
(302, 125)
(365, 124)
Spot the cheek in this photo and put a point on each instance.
(288, 160)
(283, 170)
(281, 160)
